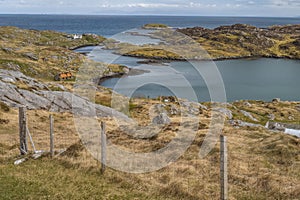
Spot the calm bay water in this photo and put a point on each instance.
(260, 79)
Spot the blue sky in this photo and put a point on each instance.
(280, 8)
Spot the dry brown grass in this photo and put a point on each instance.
(262, 164)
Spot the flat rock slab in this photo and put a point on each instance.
(40, 97)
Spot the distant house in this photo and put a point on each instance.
(76, 36)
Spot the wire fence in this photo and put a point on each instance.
(38, 134)
(252, 173)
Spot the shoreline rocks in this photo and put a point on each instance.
(129, 72)
(246, 114)
(244, 41)
(39, 96)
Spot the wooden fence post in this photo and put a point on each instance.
(51, 137)
(23, 130)
(223, 168)
(103, 147)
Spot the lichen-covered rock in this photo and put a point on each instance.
(240, 123)
(246, 103)
(40, 97)
(271, 116)
(247, 114)
(31, 56)
(298, 107)
(161, 119)
(8, 80)
(174, 110)
(192, 108)
(224, 111)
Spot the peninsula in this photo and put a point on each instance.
(225, 42)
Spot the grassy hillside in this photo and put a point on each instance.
(41, 54)
(262, 164)
(225, 42)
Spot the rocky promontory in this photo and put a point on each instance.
(224, 42)
(245, 40)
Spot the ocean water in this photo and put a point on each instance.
(110, 25)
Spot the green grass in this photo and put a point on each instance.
(52, 179)
(51, 49)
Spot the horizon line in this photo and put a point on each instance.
(159, 15)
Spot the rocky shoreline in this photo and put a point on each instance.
(223, 43)
(130, 72)
(238, 41)
(163, 59)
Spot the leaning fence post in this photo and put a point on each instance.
(103, 147)
(51, 137)
(223, 168)
(22, 131)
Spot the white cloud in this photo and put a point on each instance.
(228, 5)
(140, 5)
(194, 5)
(174, 7)
(290, 3)
(158, 5)
(153, 5)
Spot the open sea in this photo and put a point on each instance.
(110, 25)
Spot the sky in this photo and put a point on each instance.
(275, 8)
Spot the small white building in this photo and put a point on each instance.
(77, 36)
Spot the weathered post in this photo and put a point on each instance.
(223, 168)
(22, 131)
(51, 137)
(103, 147)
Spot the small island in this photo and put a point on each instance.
(155, 26)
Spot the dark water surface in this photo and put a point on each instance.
(110, 25)
(259, 79)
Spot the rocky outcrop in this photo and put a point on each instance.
(291, 129)
(162, 118)
(248, 41)
(38, 96)
(298, 107)
(240, 123)
(281, 126)
(192, 108)
(225, 42)
(125, 72)
(224, 111)
(247, 114)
